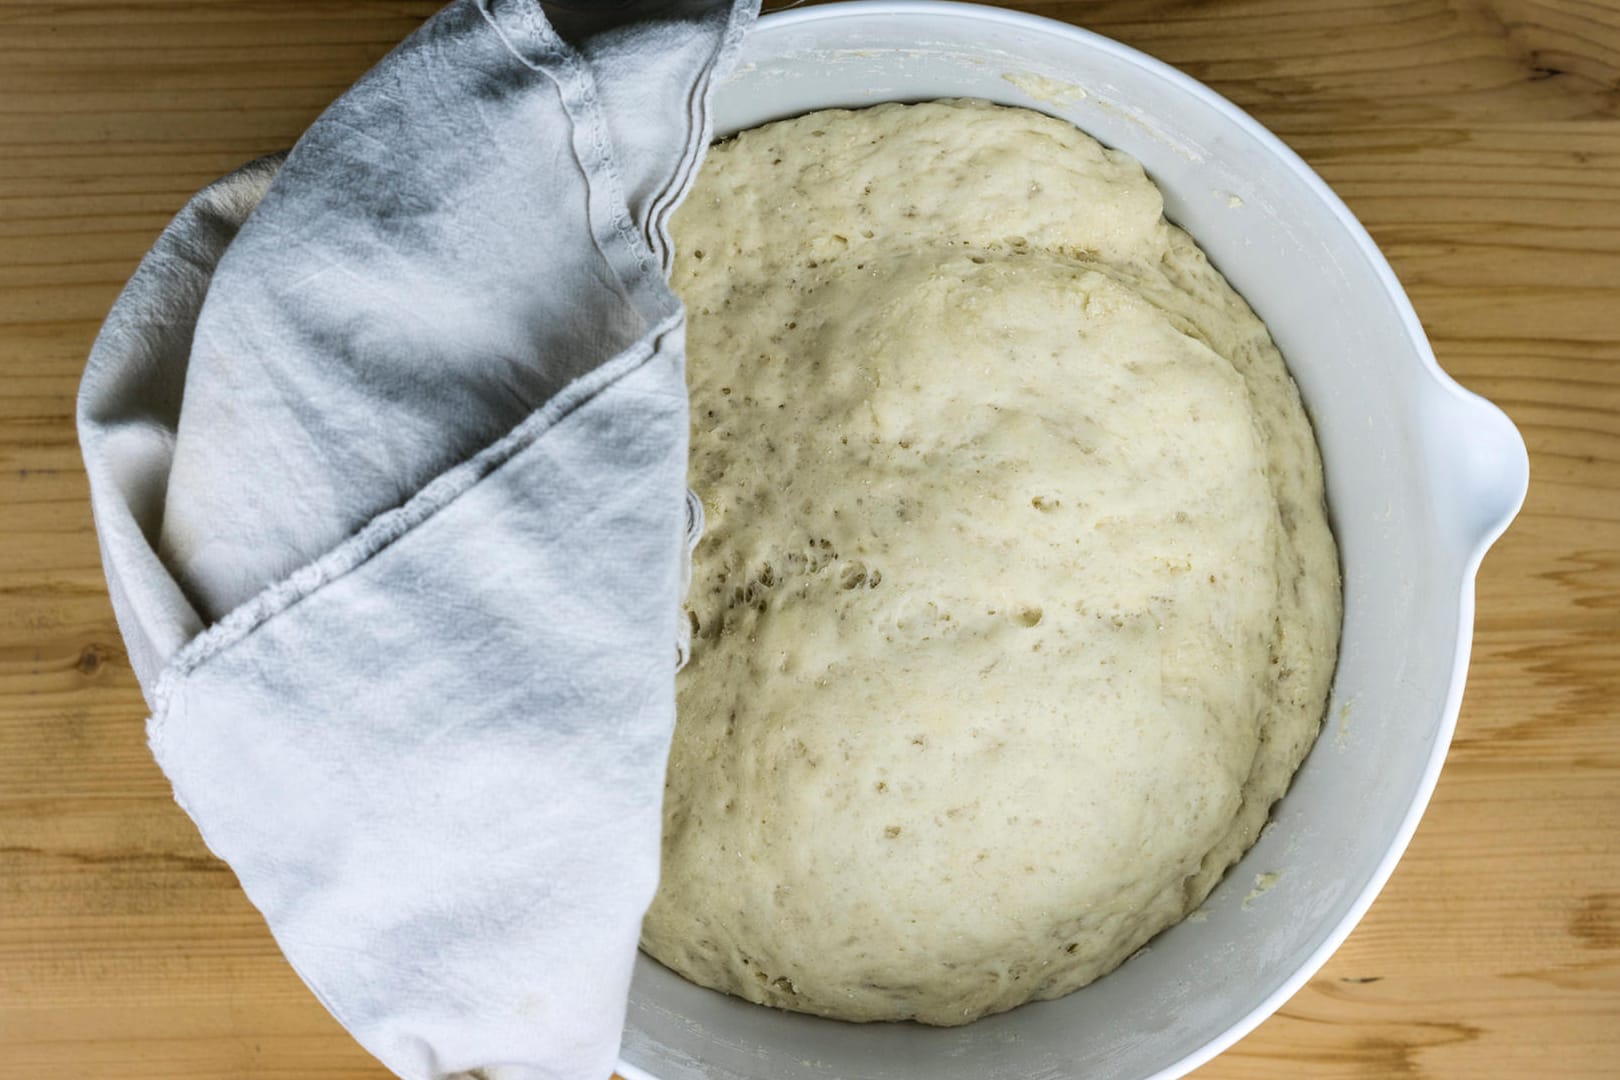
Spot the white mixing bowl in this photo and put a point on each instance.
(1422, 476)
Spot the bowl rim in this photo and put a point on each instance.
(1514, 484)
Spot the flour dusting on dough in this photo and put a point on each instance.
(1017, 604)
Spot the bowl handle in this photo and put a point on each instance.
(1481, 470)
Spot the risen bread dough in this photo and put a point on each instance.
(1017, 607)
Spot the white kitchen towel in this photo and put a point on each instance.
(387, 445)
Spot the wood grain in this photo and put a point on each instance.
(1478, 140)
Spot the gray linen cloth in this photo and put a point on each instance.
(387, 445)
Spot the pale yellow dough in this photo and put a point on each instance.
(1017, 607)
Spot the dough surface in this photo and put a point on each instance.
(1017, 606)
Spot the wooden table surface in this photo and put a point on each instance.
(1479, 140)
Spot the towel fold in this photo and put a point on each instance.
(387, 444)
